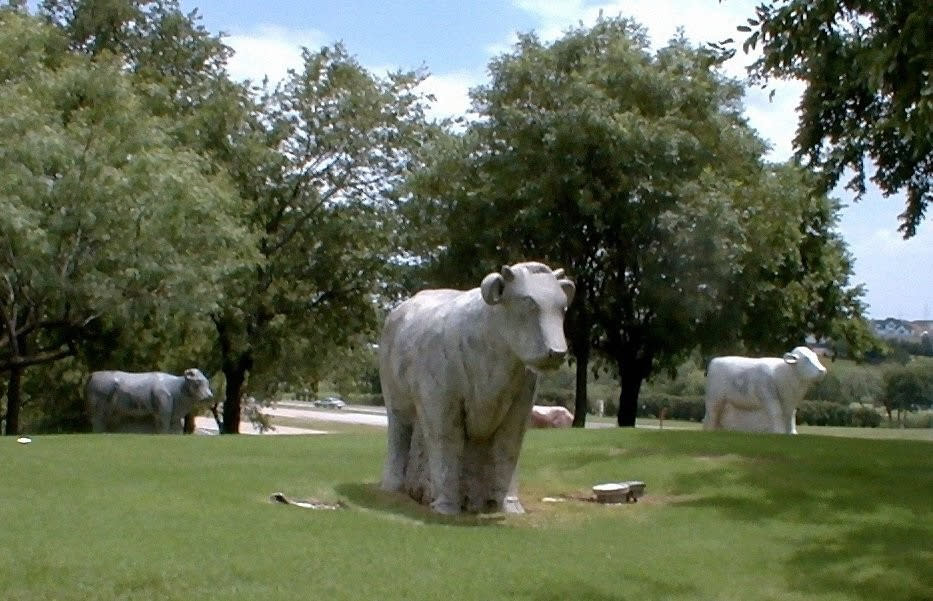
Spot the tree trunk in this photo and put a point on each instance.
(581, 403)
(580, 325)
(632, 372)
(235, 375)
(235, 365)
(189, 426)
(13, 401)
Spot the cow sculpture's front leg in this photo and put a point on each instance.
(506, 445)
(162, 412)
(790, 421)
(443, 430)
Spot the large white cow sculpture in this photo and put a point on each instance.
(458, 372)
(759, 394)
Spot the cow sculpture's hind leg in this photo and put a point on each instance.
(399, 445)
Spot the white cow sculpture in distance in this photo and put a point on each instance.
(759, 394)
(458, 372)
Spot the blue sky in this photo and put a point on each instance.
(455, 41)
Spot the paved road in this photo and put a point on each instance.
(351, 414)
(207, 425)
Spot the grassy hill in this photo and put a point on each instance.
(725, 516)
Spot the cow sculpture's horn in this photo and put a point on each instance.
(507, 273)
(559, 273)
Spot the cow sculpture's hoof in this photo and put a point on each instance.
(512, 505)
(445, 507)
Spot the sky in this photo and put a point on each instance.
(455, 41)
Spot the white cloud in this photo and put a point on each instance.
(272, 50)
(451, 92)
(269, 51)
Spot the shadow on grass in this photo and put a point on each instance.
(869, 504)
(369, 496)
(872, 562)
(581, 590)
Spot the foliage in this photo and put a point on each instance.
(908, 387)
(847, 382)
(100, 210)
(821, 413)
(794, 279)
(637, 173)
(316, 168)
(687, 408)
(867, 67)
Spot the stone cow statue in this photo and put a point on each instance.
(458, 372)
(118, 396)
(543, 416)
(759, 395)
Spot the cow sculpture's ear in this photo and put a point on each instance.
(790, 358)
(492, 288)
(569, 289)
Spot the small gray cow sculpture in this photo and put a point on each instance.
(459, 371)
(119, 400)
(759, 395)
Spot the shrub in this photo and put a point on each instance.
(909, 386)
(363, 398)
(688, 408)
(848, 384)
(822, 413)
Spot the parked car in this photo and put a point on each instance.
(330, 402)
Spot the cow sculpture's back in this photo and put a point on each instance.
(458, 372)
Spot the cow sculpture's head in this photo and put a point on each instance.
(532, 300)
(197, 385)
(806, 364)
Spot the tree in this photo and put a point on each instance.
(867, 68)
(907, 387)
(794, 276)
(100, 211)
(635, 171)
(589, 149)
(316, 169)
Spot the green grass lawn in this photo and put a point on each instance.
(725, 516)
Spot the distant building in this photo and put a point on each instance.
(899, 329)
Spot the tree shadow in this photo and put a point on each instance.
(871, 562)
(876, 508)
(369, 496)
(635, 586)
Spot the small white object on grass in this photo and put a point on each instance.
(23, 440)
(611, 492)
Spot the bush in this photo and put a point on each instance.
(373, 399)
(687, 408)
(909, 386)
(845, 384)
(822, 413)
